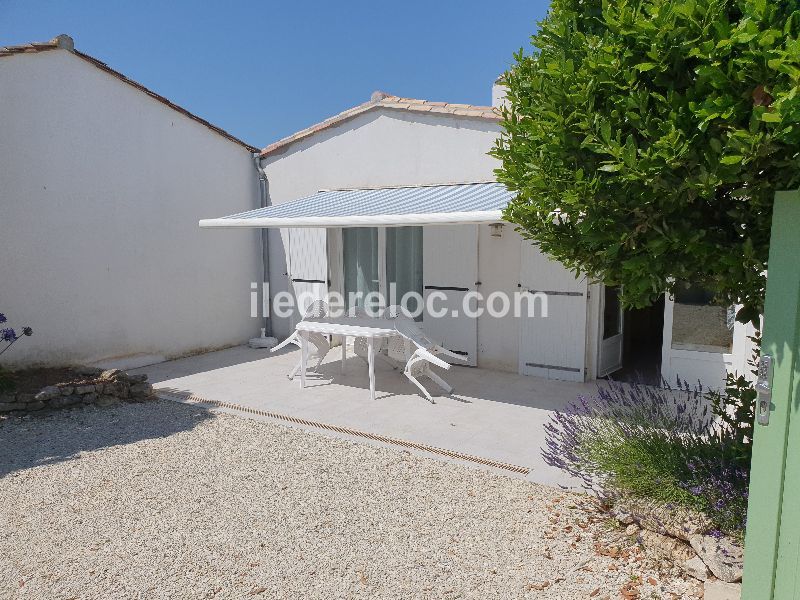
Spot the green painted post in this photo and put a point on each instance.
(773, 517)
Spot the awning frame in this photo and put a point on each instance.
(392, 206)
(453, 218)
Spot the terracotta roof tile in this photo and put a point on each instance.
(64, 42)
(384, 100)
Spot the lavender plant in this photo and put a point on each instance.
(9, 337)
(662, 443)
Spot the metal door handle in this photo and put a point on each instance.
(764, 389)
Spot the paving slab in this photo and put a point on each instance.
(492, 415)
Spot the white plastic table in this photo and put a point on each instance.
(366, 327)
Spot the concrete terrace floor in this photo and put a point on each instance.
(491, 415)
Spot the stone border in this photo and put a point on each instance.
(102, 388)
(681, 536)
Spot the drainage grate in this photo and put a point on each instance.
(171, 395)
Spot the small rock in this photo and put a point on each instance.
(106, 401)
(90, 397)
(8, 406)
(47, 393)
(695, 567)
(140, 378)
(111, 374)
(119, 389)
(64, 401)
(67, 390)
(662, 518)
(667, 547)
(624, 517)
(632, 529)
(141, 389)
(35, 405)
(723, 557)
(719, 590)
(84, 389)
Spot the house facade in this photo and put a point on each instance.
(390, 143)
(102, 182)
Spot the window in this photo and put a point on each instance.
(404, 265)
(699, 324)
(382, 260)
(360, 254)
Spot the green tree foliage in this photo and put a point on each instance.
(645, 140)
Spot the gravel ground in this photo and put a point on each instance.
(165, 500)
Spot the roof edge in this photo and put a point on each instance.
(387, 101)
(65, 42)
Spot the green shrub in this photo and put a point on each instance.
(645, 140)
(656, 443)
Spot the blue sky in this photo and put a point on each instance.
(263, 70)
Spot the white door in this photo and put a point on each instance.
(308, 267)
(553, 346)
(612, 324)
(450, 268)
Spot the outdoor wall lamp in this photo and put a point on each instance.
(496, 230)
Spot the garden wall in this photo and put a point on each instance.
(102, 388)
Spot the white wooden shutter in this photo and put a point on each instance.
(308, 266)
(554, 346)
(450, 266)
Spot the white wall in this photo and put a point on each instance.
(101, 188)
(706, 368)
(390, 147)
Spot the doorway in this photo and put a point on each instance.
(630, 340)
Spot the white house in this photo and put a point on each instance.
(340, 192)
(102, 182)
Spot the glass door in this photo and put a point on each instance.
(385, 261)
(360, 263)
(404, 268)
(611, 332)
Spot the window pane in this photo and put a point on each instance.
(699, 325)
(360, 254)
(404, 265)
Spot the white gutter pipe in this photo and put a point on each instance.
(263, 199)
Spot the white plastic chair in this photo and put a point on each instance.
(361, 345)
(318, 346)
(417, 351)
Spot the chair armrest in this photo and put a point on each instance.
(288, 340)
(432, 358)
(446, 352)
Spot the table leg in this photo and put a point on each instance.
(344, 351)
(371, 360)
(303, 358)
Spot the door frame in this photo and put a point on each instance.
(601, 325)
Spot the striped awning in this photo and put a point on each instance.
(389, 206)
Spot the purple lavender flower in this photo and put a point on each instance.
(3, 318)
(8, 334)
(674, 442)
